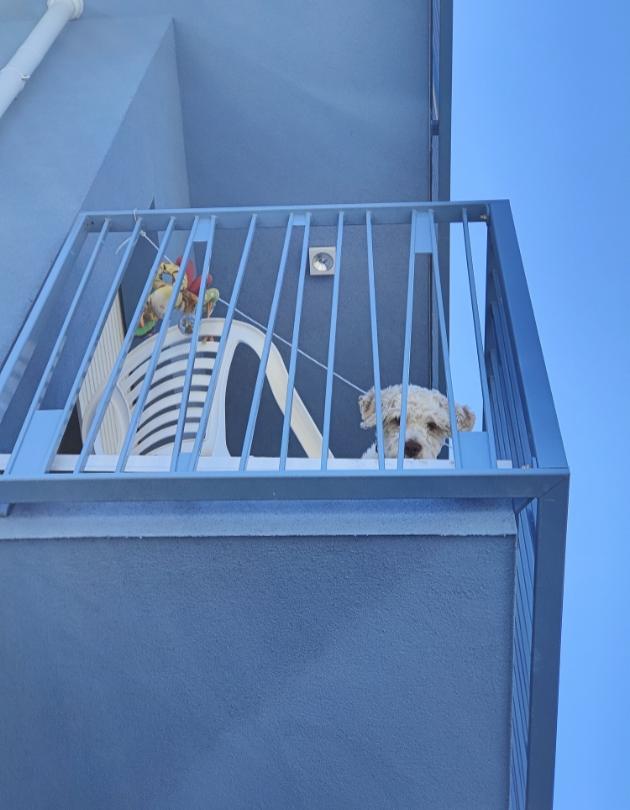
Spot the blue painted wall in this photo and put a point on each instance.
(87, 130)
(363, 670)
(294, 102)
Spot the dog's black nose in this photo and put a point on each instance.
(412, 449)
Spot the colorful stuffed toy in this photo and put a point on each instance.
(187, 297)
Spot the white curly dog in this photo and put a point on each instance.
(428, 422)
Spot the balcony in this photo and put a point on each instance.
(291, 445)
(376, 314)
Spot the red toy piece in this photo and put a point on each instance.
(194, 282)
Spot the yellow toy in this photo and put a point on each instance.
(187, 297)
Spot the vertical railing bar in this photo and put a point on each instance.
(288, 406)
(527, 557)
(264, 357)
(528, 516)
(91, 347)
(519, 448)
(502, 444)
(122, 354)
(380, 441)
(527, 544)
(404, 395)
(57, 348)
(516, 451)
(520, 663)
(444, 340)
(518, 750)
(155, 354)
(223, 340)
(521, 675)
(192, 352)
(332, 339)
(483, 376)
(434, 339)
(522, 654)
(501, 329)
(522, 593)
(72, 245)
(509, 450)
(515, 791)
(494, 382)
(519, 711)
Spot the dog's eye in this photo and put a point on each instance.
(432, 426)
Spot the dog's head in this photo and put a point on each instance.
(428, 423)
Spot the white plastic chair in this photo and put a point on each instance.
(158, 423)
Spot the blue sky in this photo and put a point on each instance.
(541, 115)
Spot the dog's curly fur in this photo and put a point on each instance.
(428, 421)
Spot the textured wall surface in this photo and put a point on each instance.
(88, 130)
(367, 670)
(295, 102)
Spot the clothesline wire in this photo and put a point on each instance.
(260, 325)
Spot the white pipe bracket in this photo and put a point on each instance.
(77, 6)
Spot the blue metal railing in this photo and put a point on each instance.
(518, 412)
(299, 301)
(376, 365)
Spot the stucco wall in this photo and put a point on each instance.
(293, 668)
(77, 137)
(336, 94)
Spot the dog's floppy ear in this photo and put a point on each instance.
(368, 409)
(465, 417)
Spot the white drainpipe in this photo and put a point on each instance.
(19, 69)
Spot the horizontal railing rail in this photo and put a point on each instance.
(519, 430)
